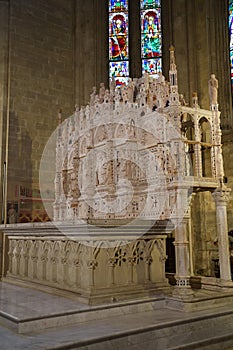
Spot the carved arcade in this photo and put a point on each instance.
(88, 268)
(143, 134)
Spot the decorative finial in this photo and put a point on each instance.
(174, 95)
(172, 58)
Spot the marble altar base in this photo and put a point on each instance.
(94, 267)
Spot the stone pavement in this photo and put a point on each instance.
(156, 328)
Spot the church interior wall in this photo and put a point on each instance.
(91, 47)
(199, 31)
(228, 166)
(40, 72)
(56, 57)
(3, 82)
(204, 233)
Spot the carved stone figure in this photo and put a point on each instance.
(162, 90)
(195, 100)
(87, 111)
(12, 215)
(96, 102)
(107, 96)
(101, 92)
(93, 95)
(112, 87)
(142, 95)
(103, 174)
(124, 93)
(117, 94)
(182, 100)
(131, 91)
(145, 80)
(213, 89)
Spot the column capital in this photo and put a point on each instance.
(221, 195)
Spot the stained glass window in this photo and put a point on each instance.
(151, 36)
(118, 41)
(231, 38)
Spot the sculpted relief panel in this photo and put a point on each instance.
(127, 152)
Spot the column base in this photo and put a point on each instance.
(225, 283)
(182, 289)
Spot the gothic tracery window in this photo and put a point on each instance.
(118, 41)
(151, 39)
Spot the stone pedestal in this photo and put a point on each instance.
(182, 288)
(182, 243)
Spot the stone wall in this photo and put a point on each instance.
(41, 81)
(91, 47)
(199, 31)
(4, 40)
(204, 230)
(204, 233)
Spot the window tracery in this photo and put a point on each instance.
(118, 41)
(151, 39)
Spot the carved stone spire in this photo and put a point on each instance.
(174, 96)
(172, 58)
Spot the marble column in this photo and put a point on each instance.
(182, 250)
(197, 150)
(182, 275)
(221, 197)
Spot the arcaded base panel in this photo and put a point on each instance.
(96, 268)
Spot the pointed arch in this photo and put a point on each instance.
(206, 141)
